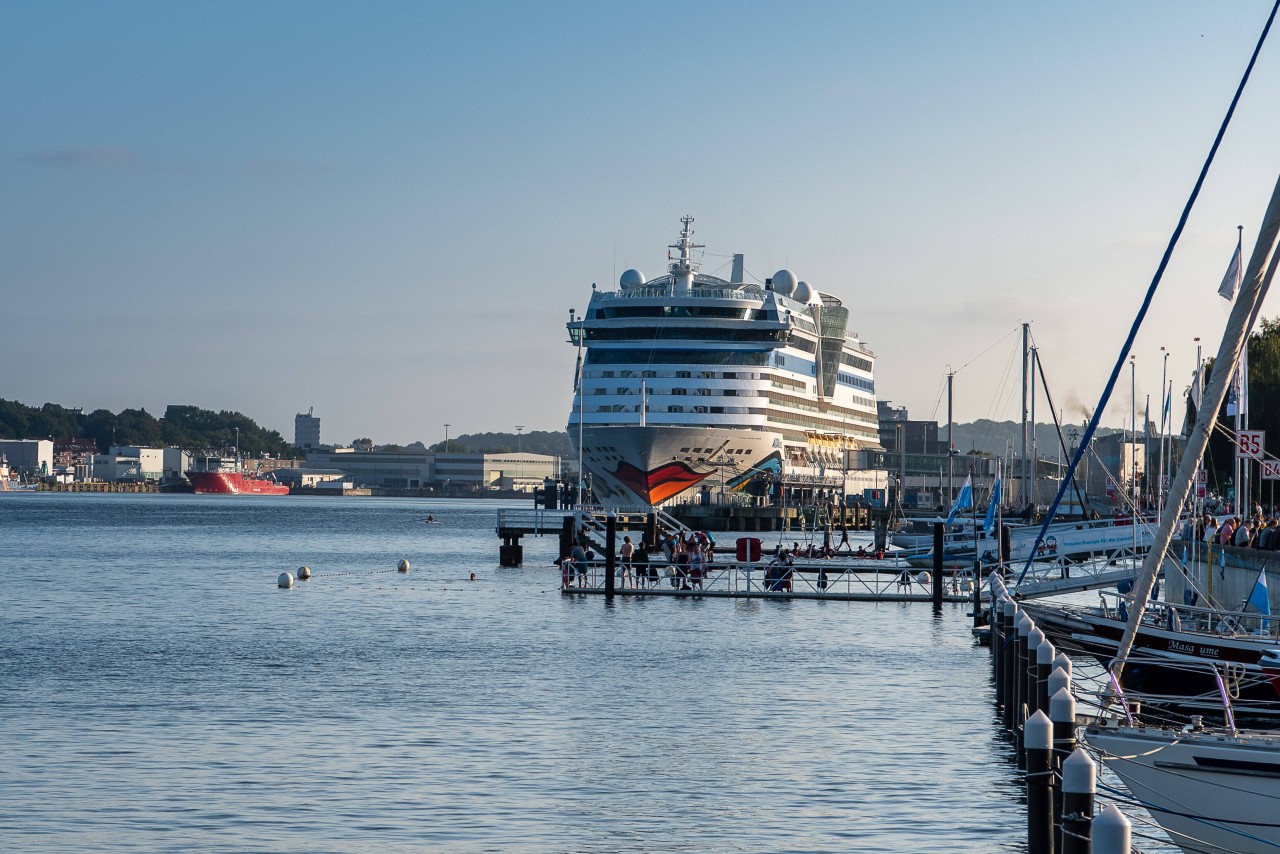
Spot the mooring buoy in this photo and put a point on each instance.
(304, 572)
(403, 565)
(285, 579)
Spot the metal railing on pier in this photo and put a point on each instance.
(883, 581)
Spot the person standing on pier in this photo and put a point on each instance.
(574, 564)
(625, 554)
(696, 568)
(640, 563)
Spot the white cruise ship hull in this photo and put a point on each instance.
(649, 465)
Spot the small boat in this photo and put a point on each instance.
(1070, 540)
(1212, 791)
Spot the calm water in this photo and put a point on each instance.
(158, 692)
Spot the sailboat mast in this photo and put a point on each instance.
(1031, 386)
(1244, 313)
(1026, 329)
(1164, 417)
(951, 442)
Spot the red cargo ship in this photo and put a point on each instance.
(234, 483)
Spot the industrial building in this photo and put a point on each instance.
(28, 458)
(306, 430)
(452, 472)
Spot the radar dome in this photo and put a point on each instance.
(784, 282)
(803, 293)
(631, 279)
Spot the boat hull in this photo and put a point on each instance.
(1217, 790)
(233, 483)
(1073, 540)
(647, 466)
(1170, 667)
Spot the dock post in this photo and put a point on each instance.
(1079, 783)
(1112, 832)
(1062, 662)
(567, 540)
(510, 553)
(651, 529)
(997, 648)
(1020, 699)
(881, 536)
(977, 600)
(938, 538)
(1062, 711)
(1039, 739)
(610, 552)
(1035, 637)
(1044, 666)
(1008, 665)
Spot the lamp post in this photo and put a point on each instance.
(519, 452)
(446, 438)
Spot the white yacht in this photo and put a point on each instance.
(687, 380)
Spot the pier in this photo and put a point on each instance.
(841, 581)
(98, 486)
(1036, 707)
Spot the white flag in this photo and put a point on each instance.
(1231, 281)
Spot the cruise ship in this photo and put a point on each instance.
(690, 386)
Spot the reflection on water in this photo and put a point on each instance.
(157, 691)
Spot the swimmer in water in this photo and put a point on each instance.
(473, 576)
(431, 520)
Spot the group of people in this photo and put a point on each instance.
(687, 558)
(1257, 532)
(688, 562)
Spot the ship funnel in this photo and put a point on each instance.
(735, 278)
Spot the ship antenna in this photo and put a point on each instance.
(682, 267)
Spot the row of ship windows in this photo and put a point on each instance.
(702, 375)
(700, 392)
(714, 410)
(725, 392)
(761, 358)
(781, 418)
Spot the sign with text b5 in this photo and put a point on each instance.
(1249, 444)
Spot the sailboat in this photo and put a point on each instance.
(1211, 790)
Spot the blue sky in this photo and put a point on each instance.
(385, 211)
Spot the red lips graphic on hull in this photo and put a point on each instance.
(660, 484)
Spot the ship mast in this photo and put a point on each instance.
(682, 266)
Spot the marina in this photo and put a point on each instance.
(741, 601)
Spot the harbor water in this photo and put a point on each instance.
(159, 692)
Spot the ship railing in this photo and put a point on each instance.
(665, 290)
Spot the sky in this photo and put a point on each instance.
(386, 211)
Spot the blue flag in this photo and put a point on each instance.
(963, 500)
(1260, 600)
(994, 503)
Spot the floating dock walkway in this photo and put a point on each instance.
(837, 580)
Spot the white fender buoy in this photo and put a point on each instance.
(285, 579)
(923, 578)
(403, 565)
(304, 572)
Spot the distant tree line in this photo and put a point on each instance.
(554, 443)
(181, 426)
